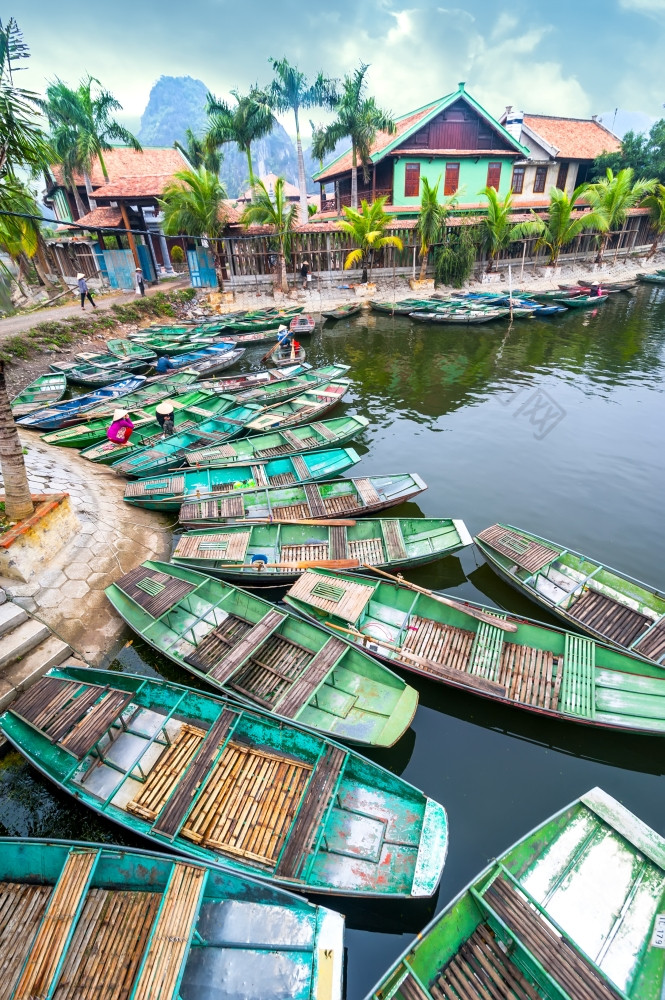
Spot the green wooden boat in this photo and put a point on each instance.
(308, 437)
(93, 920)
(652, 279)
(173, 348)
(244, 791)
(92, 376)
(43, 391)
(573, 910)
(332, 499)
(169, 491)
(128, 349)
(535, 667)
(93, 430)
(469, 316)
(153, 391)
(342, 312)
(104, 360)
(403, 307)
(581, 301)
(588, 595)
(262, 554)
(267, 390)
(307, 406)
(262, 655)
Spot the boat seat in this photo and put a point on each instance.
(271, 670)
(556, 955)
(318, 668)
(167, 952)
(527, 554)
(48, 947)
(340, 504)
(290, 512)
(653, 643)
(292, 438)
(367, 550)
(609, 617)
(206, 455)
(221, 488)
(577, 688)
(445, 652)
(394, 540)
(319, 793)
(280, 449)
(231, 507)
(527, 674)
(324, 431)
(479, 970)
(316, 504)
(344, 598)
(301, 468)
(283, 479)
(367, 492)
(486, 652)
(226, 546)
(155, 592)
(305, 551)
(561, 580)
(259, 475)
(224, 662)
(338, 541)
(306, 444)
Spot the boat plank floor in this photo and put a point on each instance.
(291, 512)
(395, 546)
(300, 465)
(21, 910)
(318, 668)
(218, 545)
(92, 726)
(271, 671)
(324, 431)
(555, 954)
(155, 592)
(316, 504)
(653, 644)
(171, 484)
(217, 643)
(338, 535)
(283, 479)
(525, 553)
(367, 550)
(609, 617)
(317, 797)
(344, 598)
(479, 971)
(367, 492)
(341, 504)
(231, 660)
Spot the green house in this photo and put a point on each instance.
(453, 140)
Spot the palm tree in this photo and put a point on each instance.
(359, 119)
(291, 91)
(497, 231)
(251, 119)
(276, 212)
(431, 219)
(193, 204)
(614, 195)
(655, 202)
(560, 227)
(366, 228)
(199, 153)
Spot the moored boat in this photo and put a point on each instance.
(47, 388)
(93, 376)
(307, 406)
(343, 311)
(237, 383)
(655, 278)
(460, 316)
(264, 554)
(513, 660)
(72, 410)
(288, 354)
(128, 349)
(572, 910)
(94, 920)
(278, 389)
(302, 325)
(402, 307)
(581, 301)
(588, 595)
(238, 789)
(332, 499)
(210, 362)
(152, 391)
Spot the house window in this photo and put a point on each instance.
(562, 177)
(493, 175)
(540, 181)
(517, 185)
(411, 180)
(451, 182)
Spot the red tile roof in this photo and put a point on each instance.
(151, 186)
(104, 217)
(121, 161)
(575, 138)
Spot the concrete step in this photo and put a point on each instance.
(20, 675)
(11, 616)
(21, 640)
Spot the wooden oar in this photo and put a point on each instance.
(303, 564)
(482, 616)
(280, 343)
(342, 522)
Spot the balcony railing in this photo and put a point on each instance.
(386, 193)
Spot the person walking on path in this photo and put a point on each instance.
(140, 283)
(305, 274)
(84, 290)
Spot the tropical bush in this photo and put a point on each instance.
(454, 260)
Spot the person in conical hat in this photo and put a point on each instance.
(84, 290)
(164, 414)
(121, 428)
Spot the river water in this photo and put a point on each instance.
(554, 425)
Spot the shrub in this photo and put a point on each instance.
(454, 259)
(177, 255)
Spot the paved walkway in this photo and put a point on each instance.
(69, 593)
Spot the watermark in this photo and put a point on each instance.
(538, 407)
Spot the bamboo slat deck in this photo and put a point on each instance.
(108, 944)
(37, 977)
(303, 551)
(301, 467)
(171, 484)
(154, 592)
(395, 546)
(559, 958)
(410, 990)
(271, 671)
(319, 793)
(316, 504)
(337, 537)
(90, 729)
(217, 643)
(341, 504)
(293, 439)
(283, 479)
(317, 669)
(279, 449)
(343, 598)
(221, 487)
(291, 512)
(481, 970)
(653, 644)
(577, 689)
(610, 618)
(367, 492)
(211, 453)
(324, 431)
(438, 643)
(21, 910)
(367, 550)
(230, 507)
(528, 554)
(170, 940)
(231, 659)
(230, 546)
(527, 675)
(259, 475)
(45, 700)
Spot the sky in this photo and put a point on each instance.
(575, 57)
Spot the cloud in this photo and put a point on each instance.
(649, 7)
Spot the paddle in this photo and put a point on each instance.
(482, 616)
(342, 522)
(303, 564)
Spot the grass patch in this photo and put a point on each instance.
(5, 523)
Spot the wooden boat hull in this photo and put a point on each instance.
(332, 499)
(582, 301)
(308, 406)
(542, 919)
(168, 492)
(652, 279)
(535, 668)
(131, 928)
(128, 349)
(240, 383)
(153, 391)
(45, 390)
(238, 756)
(289, 356)
(278, 389)
(478, 316)
(302, 326)
(208, 366)
(264, 554)
(587, 595)
(342, 312)
(94, 379)
(73, 410)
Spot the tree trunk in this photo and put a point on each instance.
(251, 172)
(354, 178)
(654, 246)
(423, 265)
(283, 280)
(601, 249)
(103, 166)
(88, 189)
(18, 502)
(302, 182)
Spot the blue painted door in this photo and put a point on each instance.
(120, 267)
(146, 262)
(101, 263)
(201, 268)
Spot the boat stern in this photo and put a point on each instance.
(399, 720)
(463, 532)
(327, 973)
(432, 850)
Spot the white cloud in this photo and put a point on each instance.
(644, 6)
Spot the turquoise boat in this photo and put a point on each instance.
(572, 911)
(586, 594)
(44, 390)
(279, 389)
(71, 411)
(94, 376)
(264, 554)
(652, 279)
(308, 406)
(295, 441)
(235, 788)
(98, 921)
(334, 498)
(246, 647)
(169, 491)
(128, 349)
